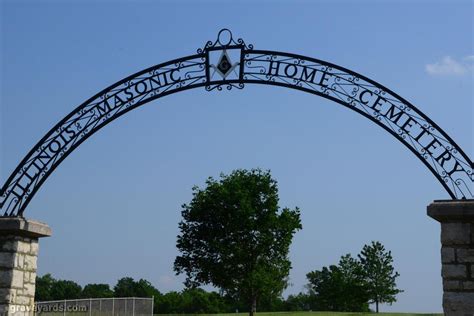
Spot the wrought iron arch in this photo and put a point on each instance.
(229, 63)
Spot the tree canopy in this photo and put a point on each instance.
(353, 284)
(379, 273)
(339, 288)
(128, 287)
(44, 285)
(234, 236)
(97, 291)
(48, 289)
(347, 286)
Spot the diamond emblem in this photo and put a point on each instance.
(224, 65)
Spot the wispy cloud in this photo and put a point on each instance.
(449, 66)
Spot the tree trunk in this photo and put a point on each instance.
(376, 306)
(253, 306)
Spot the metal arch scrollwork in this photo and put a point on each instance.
(109, 104)
(231, 64)
(224, 40)
(443, 157)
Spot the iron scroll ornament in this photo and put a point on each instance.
(228, 63)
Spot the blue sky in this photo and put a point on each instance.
(114, 204)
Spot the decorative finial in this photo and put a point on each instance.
(225, 40)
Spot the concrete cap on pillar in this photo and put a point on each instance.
(452, 210)
(23, 227)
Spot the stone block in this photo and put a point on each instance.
(6, 279)
(465, 255)
(455, 234)
(4, 308)
(7, 259)
(30, 263)
(452, 285)
(452, 211)
(468, 285)
(17, 279)
(29, 289)
(20, 261)
(447, 255)
(23, 227)
(24, 247)
(5, 296)
(34, 247)
(32, 277)
(28, 278)
(11, 279)
(458, 302)
(8, 244)
(454, 271)
(23, 300)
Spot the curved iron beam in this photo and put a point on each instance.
(232, 65)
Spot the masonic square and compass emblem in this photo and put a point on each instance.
(224, 58)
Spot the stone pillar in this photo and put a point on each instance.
(457, 254)
(18, 255)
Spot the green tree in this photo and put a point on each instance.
(125, 287)
(128, 287)
(97, 291)
(297, 303)
(65, 290)
(379, 274)
(49, 289)
(234, 235)
(339, 288)
(44, 285)
(169, 303)
(355, 287)
(198, 301)
(273, 303)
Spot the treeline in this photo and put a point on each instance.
(349, 286)
(188, 301)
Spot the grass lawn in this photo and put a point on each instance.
(314, 314)
(258, 314)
